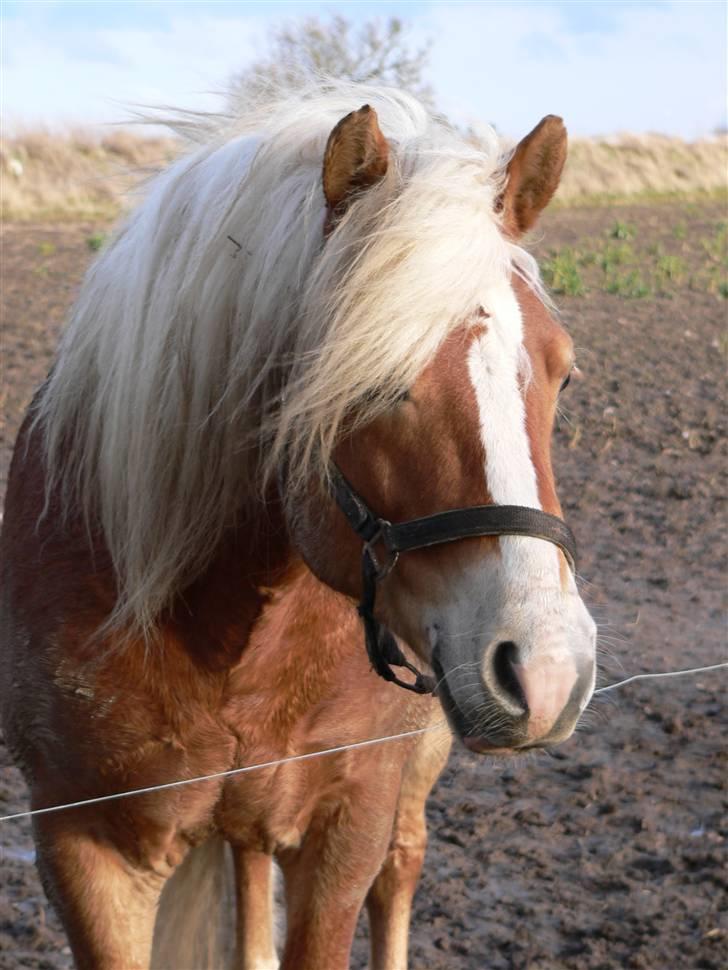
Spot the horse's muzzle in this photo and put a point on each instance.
(512, 705)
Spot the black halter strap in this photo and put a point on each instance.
(479, 520)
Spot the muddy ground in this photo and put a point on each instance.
(607, 852)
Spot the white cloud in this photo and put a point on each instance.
(92, 74)
(659, 67)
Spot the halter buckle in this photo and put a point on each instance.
(381, 570)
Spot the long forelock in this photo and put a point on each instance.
(218, 335)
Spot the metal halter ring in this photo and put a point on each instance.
(380, 571)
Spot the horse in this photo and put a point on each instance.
(315, 365)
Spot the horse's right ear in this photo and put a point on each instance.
(356, 156)
(533, 175)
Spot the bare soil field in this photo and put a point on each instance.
(608, 851)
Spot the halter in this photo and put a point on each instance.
(430, 530)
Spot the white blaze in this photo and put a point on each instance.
(517, 596)
(496, 362)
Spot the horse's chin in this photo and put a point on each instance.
(480, 745)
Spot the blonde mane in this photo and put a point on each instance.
(217, 333)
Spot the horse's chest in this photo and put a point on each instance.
(271, 805)
(268, 805)
(269, 809)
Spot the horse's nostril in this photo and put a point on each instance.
(504, 658)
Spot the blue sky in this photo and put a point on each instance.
(604, 66)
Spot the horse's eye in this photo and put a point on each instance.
(402, 396)
(565, 383)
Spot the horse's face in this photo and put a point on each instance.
(500, 620)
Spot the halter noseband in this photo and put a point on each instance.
(431, 530)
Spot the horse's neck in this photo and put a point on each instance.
(215, 615)
(212, 619)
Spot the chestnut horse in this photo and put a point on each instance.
(312, 287)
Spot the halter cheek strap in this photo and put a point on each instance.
(376, 533)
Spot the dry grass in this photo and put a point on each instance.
(82, 175)
(628, 166)
(76, 174)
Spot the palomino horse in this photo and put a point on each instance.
(313, 291)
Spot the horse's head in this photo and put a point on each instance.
(499, 619)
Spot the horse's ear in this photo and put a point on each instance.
(533, 175)
(356, 157)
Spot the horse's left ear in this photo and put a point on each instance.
(356, 156)
(533, 175)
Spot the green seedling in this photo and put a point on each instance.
(561, 273)
(621, 230)
(630, 285)
(96, 241)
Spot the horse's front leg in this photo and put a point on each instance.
(328, 877)
(255, 928)
(389, 902)
(107, 904)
